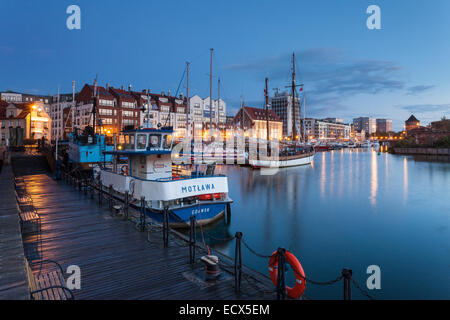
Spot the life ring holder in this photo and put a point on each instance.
(300, 278)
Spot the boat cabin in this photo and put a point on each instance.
(149, 153)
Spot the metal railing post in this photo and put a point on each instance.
(281, 281)
(125, 208)
(166, 227)
(100, 194)
(228, 215)
(142, 215)
(238, 262)
(110, 200)
(347, 274)
(192, 240)
(85, 186)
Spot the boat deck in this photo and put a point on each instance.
(116, 260)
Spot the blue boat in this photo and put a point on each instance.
(87, 148)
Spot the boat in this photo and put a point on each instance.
(87, 148)
(293, 153)
(290, 156)
(150, 176)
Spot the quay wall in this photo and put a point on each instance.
(423, 151)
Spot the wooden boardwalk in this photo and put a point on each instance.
(13, 277)
(116, 260)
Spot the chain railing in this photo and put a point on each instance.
(237, 268)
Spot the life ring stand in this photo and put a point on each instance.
(300, 281)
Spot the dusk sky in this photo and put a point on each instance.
(347, 70)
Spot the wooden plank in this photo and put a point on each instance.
(116, 260)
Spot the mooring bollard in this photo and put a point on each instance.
(228, 215)
(192, 240)
(281, 281)
(347, 274)
(125, 208)
(166, 227)
(238, 262)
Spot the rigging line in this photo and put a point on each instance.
(176, 94)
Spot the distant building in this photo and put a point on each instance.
(281, 105)
(384, 125)
(164, 110)
(21, 121)
(412, 123)
(334, 120)
(253, 122)
(56, 112)
(369, 125)
(200, 114)
(326, 130)
(11, 96)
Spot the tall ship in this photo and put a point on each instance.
(291, 153)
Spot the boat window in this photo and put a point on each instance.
(129, 141)
(141, 141)
(167, 141)
(155, 141)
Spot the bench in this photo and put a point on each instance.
(48, 285)
(28, 217)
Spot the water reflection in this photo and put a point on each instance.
(324, 214)
(373, 178)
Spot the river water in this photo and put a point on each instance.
(350, 209)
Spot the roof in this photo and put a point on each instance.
(25, 109)
(260, 114)
(101, 91)
(412, 119)
(122, 94)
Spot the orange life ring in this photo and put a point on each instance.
(300, 282)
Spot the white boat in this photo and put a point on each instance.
(288, 157)
(284, 162)
(148, 176)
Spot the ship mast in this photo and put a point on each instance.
(266, 95)
(294, 131)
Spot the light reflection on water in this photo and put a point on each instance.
(351, 209)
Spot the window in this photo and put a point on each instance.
(104, 112)
(129, 141)
(126, 104)
(128, 113)
(104, 102)
(141, 141)
(167, 141)
(155, 140)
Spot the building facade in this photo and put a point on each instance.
(281, 105)
(412, 123)
(253, 123)
(200, 115)
(368, 124)
(384, 125)
(20, 121)
(326, 130)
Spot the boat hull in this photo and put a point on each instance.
(205, 213)
(282, 163)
